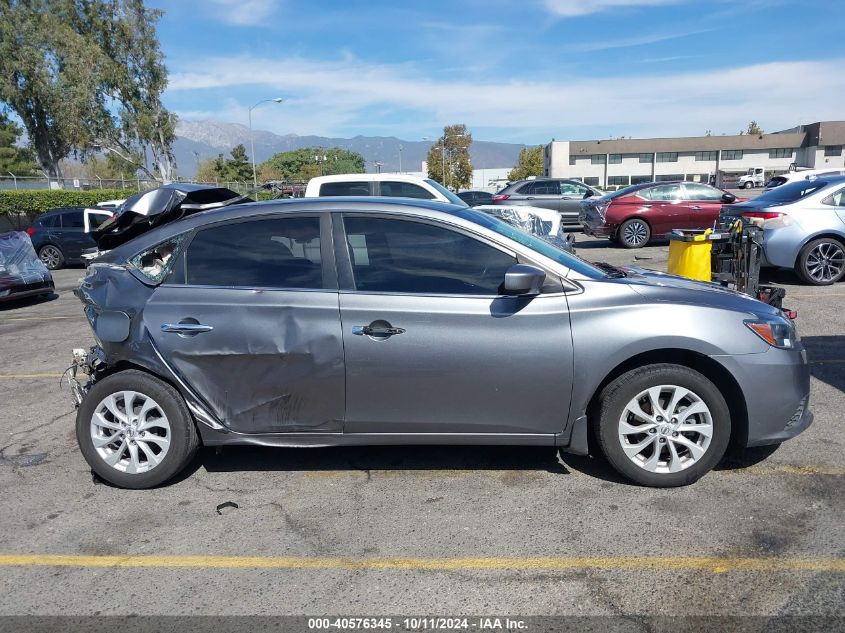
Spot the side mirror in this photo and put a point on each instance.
(589, 194)
(728, 197)
(524, 280)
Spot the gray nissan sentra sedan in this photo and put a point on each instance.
(352, 321)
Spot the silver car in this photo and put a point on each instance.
(353, 321)
(803, 227)
(561, 195)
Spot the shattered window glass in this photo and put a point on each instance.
(155, 263)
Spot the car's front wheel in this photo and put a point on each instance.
(821, 262)
(663, 425)
(748, 185)
(135, 430)
(634, 233)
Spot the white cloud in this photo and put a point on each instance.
(348, 95)
(244, 12)
(573, 8)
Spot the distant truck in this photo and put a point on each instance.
(754, 177)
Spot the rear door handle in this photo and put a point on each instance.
(695, 208)
(186, 329)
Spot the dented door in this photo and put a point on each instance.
(271, 362)
(250, 321)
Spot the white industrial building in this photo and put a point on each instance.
(620, 162)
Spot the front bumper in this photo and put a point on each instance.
(20, 291)
(776, 387)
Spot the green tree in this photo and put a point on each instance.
(17, 160)
(529, 163)
(307, 162)
(753, 128)
(87, 75)
(448, 160)
(238, 167)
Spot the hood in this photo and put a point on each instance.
(659, 286)
(141, 212)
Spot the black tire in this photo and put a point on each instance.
(638, 233)
(184, 440)
(815, 250)
(615, 398)
(748, 185)
(51, 256)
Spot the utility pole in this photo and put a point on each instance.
(378, 165)
(400, 158)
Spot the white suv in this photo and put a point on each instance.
(390, 185)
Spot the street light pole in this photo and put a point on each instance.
(252, 136)
(400, 158)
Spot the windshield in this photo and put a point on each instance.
(451, 197)
(792, 191)
(534, 243)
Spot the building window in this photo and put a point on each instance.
(833, 150)
(593, 181)
(667, 157)
(572, 160)
(702, 156)
(597, 159)
(617, 180)
(645, 158)
(669, 177)
(615, 159)
(780, 153)
(638, 180)
(732, 154)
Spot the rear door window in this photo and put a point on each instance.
(410, 257)
(663, 193)
(345, 189)
(269, 253)
(395, 189)
(73, 220)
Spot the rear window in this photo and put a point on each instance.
(624, 192)
(793, 191)
(345, 189)
(777, 181)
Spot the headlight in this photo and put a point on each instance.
(778, 333)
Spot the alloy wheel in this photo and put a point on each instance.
(635, 233)
(825, 262)
(130, 432)
(50, 257)
(665, 429)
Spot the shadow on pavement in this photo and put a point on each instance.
(827, 359)
(14, 304)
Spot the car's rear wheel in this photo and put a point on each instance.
(634, 233)
(135, 430)
(663, 425)
(51, 256)
(821, 262)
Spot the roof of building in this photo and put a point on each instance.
(812, 134)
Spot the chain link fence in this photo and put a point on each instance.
(13, 181)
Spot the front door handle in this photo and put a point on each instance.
(695, 208)
(186, 329)
(377, 330)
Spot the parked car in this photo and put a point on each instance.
(562, 196)
(21, 272)
(476, 198)
(803, 227)
(387, 185)
(354, 321)
(805, 174)
(637, 214)
(60, 236)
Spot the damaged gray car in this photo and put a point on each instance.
(353, 321)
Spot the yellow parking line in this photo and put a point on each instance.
(28, 376)
(715, 564)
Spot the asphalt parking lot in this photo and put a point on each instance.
(414, 530)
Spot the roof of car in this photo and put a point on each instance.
(346, 204)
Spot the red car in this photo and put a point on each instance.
(637, 214)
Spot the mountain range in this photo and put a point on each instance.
(197, 141)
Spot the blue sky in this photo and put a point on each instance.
(523, 71)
